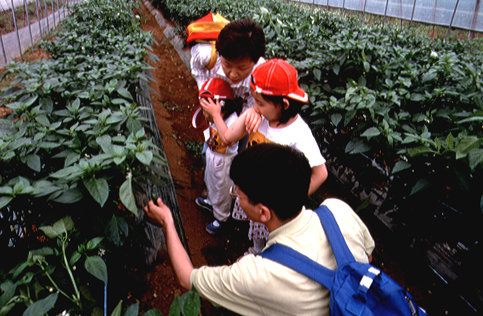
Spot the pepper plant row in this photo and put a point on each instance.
(72, 155)
(382, 91)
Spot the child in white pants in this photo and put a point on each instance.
(219, 154)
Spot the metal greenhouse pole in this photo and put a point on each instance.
(400, 14)
(38, 16)
(28, 21)
(16, 30)
(53, 11)
(471, 34)
(385, 13)
(3, 49)
(46, 14)
(327, 6)
(364, 10)
(412, 14)
(434, 18)
(452, 19)
(343, 7)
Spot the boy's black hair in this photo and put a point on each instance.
(275, 175)
(230, 107)
(293, 109)
(240, 39)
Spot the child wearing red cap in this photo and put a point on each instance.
(275, 118)
(219, 153)
(240, 46)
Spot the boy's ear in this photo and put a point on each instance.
(264, 214)
(285, 104)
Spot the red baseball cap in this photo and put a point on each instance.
(277, 77)
(216, 88)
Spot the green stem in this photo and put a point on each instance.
(55, 284)
(71, 275)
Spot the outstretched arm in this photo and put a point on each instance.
(247, 122)
(161, 215)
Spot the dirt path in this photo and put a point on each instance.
(174, 104)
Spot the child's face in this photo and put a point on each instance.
(271, 111)
(237, 70)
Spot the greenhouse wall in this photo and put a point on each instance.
(466, 13)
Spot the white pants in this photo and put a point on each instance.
(218, 183)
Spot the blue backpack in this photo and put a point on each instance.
(356, 288)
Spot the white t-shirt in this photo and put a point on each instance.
(297, 135)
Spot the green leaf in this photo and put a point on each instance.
(5, 200)
(75, 257)
(126, 94)
(97, 267)
(98, 188)
(71, 158)
(44, 251)
(420, 185)
(145, 157)
(8, 291)
(336, 68)
(465, 145)
(450, 141)
(336, 118)
(132, 310)
(83, 95)
(6, 190)
(118, 101)
(153, 312)
(471, 119)
(400, 166)
(117, 310)
(41, 307)
(356, 146)
(420, 150)
(60, 227)
(127, 196)
(175, 308)
(67, 172)
(93, 243)
(475, 157)
(190, 303)
(317, 74)
(116, 229)
(48, 145)
(69, 197)
(371, 132)
(416, 97)
(33, 161)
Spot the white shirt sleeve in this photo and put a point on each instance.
(200, 57)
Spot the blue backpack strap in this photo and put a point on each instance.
(300, 263)
(336, 240)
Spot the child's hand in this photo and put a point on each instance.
(159, 214)
(252, 120)
(211, 107)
